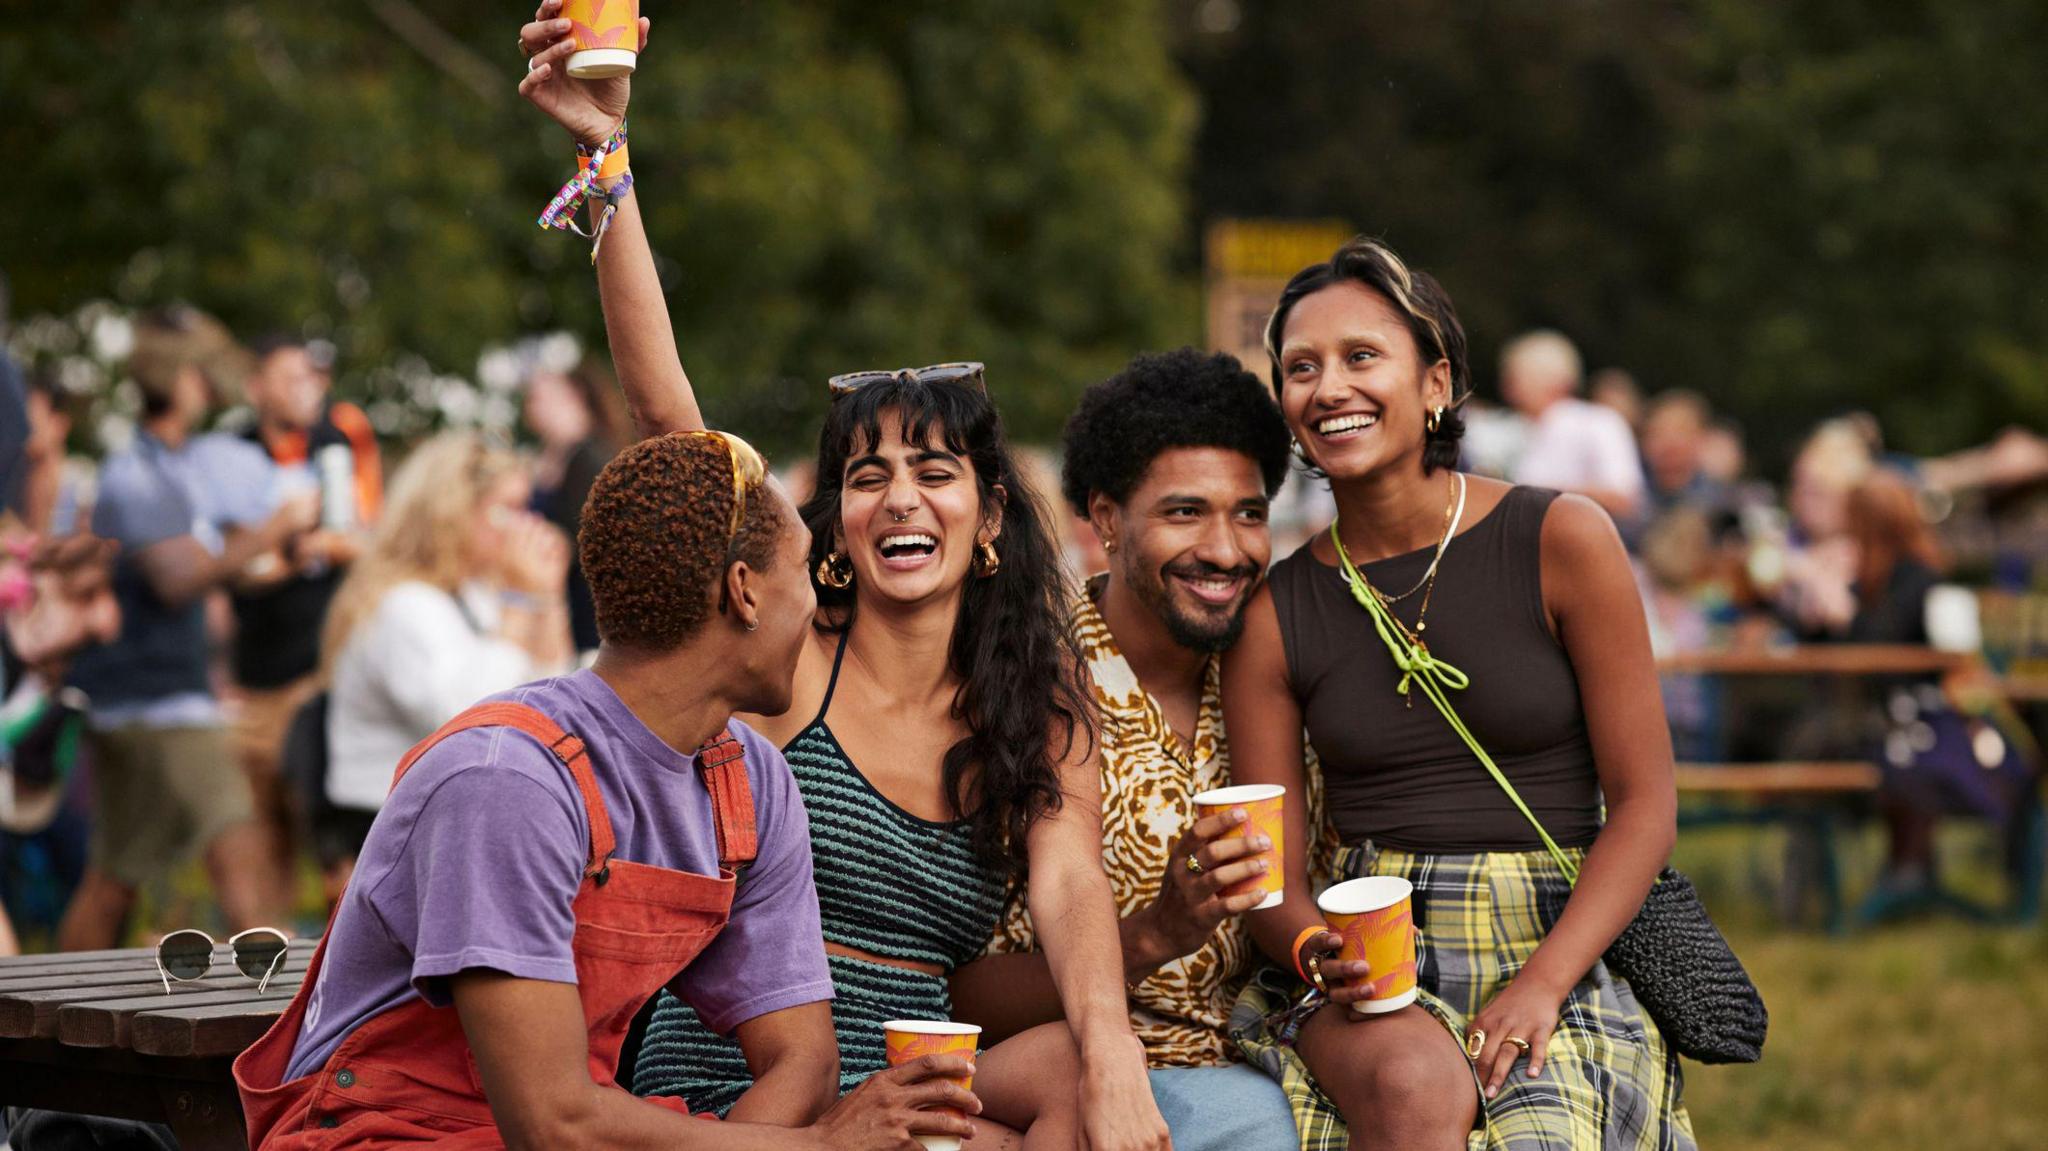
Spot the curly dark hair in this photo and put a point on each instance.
(1432, 321)
(1013, 649)
(654, 540)
(1166, 400)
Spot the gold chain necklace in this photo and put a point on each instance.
(1454, 514)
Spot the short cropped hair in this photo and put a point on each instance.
(654, 540)
(1162, 401)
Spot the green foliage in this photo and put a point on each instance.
(829, 186)
(1794, 208)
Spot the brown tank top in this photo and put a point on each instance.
(1397, 774)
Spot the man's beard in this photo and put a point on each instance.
(1203, 632)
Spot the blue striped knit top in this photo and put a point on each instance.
(889, 883)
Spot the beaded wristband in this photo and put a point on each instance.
(1295, 952)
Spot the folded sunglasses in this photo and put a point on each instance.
(183, 956)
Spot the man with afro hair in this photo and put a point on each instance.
(1172, 462)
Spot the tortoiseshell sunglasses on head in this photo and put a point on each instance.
(961, 373)
(748, 470)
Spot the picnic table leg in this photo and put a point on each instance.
(205, 1116)
(2027, 858)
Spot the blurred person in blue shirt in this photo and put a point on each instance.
(190, 513)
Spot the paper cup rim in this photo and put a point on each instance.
(1361, 896)
(931, 1027)
(1241, 793)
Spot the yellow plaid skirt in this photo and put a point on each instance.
(1609, 1083)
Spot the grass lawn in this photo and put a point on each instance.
(1927, 1035)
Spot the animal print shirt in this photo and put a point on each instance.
(1149, 776)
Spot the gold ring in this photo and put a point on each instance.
(1519, 1042)
(1475, 1042)
(1194, 865)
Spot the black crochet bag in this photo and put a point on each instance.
(1687, 977)
(1675, 960)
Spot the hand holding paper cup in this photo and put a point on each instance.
(908, 1039)
(607, 36)
(1262, 804)
(1375, 917)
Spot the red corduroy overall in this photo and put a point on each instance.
(407, 1076)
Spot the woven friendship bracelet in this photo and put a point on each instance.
(561, 210)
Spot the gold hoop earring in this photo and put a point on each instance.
(986, 561)
(835, 571)
(1435, 420)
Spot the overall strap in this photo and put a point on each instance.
(722, 765)
(567, 748)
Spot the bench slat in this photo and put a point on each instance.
(106, 1023)
(1781, 778)
(227, 1029)
(35, 1014)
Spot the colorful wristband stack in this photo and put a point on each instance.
(608, 160)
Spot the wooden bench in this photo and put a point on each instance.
(93, 1032)
(1813, 797)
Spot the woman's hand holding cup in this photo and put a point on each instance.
(589, 109)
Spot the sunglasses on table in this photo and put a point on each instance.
(961, 373)
(183, 956)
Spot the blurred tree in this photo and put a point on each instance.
(1865, 197)
(830, 186)
(1795, 208)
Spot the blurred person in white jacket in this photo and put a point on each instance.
(459, 595)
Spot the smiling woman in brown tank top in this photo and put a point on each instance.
(1531, 596)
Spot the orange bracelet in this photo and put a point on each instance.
(614, 163)
(1295, 954)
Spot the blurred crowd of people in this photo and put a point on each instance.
(246, 627)
(221, 638)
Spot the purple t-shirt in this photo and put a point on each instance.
(476, 856)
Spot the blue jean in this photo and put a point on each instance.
(1235, 1107)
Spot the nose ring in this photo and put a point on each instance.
(901, 517)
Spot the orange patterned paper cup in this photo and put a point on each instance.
(1376, 918)
(908, 1039)
(607, 37)
(1263, 802)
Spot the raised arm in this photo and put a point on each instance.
(1077, 925)
(636, 320)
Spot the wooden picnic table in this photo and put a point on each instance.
(1801, 794)
(93, 1032)
(1816, 659)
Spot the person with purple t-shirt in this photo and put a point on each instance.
(551, 858)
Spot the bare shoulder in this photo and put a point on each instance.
(1584, 565)
(1576, 530)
